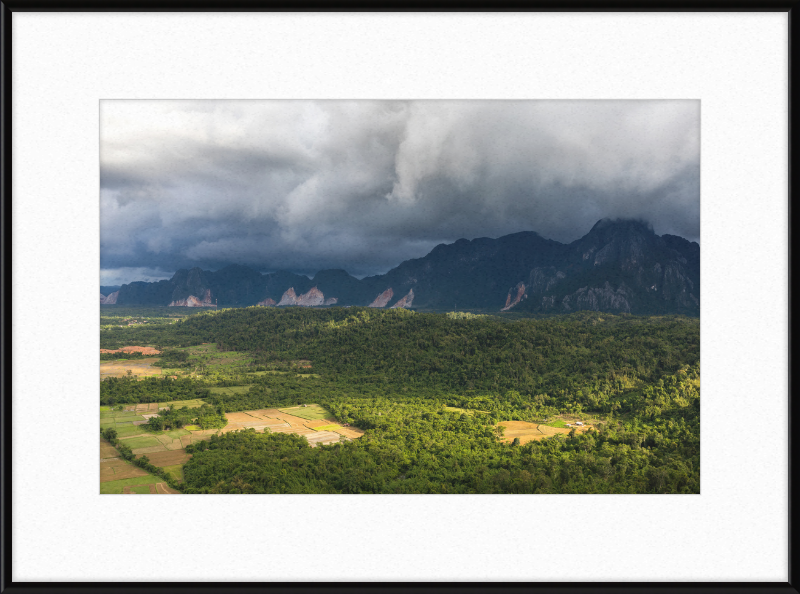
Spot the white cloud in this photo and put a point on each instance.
(117, 276)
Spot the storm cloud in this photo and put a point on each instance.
(364, 185)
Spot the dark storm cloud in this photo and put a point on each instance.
(364, 185)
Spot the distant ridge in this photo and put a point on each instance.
(619, 266)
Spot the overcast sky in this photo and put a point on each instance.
(364, 185)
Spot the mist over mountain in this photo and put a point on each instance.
(619, 266)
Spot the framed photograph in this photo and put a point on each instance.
(397, 297)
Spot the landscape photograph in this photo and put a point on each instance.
(399, 297)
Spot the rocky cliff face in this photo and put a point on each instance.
(192, 301)
(542, 280)
(109, 299)
(190, 286)
(266, 303)
(405, 301)
(288, 298)
(599, 299)
(518, 293)
(313, 298)
(382, 299)
(337, 284)
(232, 286)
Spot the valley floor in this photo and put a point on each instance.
(359, 401)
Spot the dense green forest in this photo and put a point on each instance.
(120, 356)
(206, 416)
(127, 390)
(392, 373)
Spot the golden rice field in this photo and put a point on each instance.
(526, 431)
(315, 430)
(140, 367)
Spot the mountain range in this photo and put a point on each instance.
(619, 266)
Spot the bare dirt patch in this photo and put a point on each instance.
(149, 450)
(324, 437)
(275, 423)
(107, 450)
(168, 458)
(295, 430)
(139, 367)
(148, 407)
(118, 469)
(240, 417)
(113, 463)
(164, 489)
(351, 432)
(267, 417)
(293, 420)
(252, 419)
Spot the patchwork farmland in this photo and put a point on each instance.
(167, 449)
(118, 476)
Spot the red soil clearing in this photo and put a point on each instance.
(133, 349)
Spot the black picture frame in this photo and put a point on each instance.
(7, 10)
